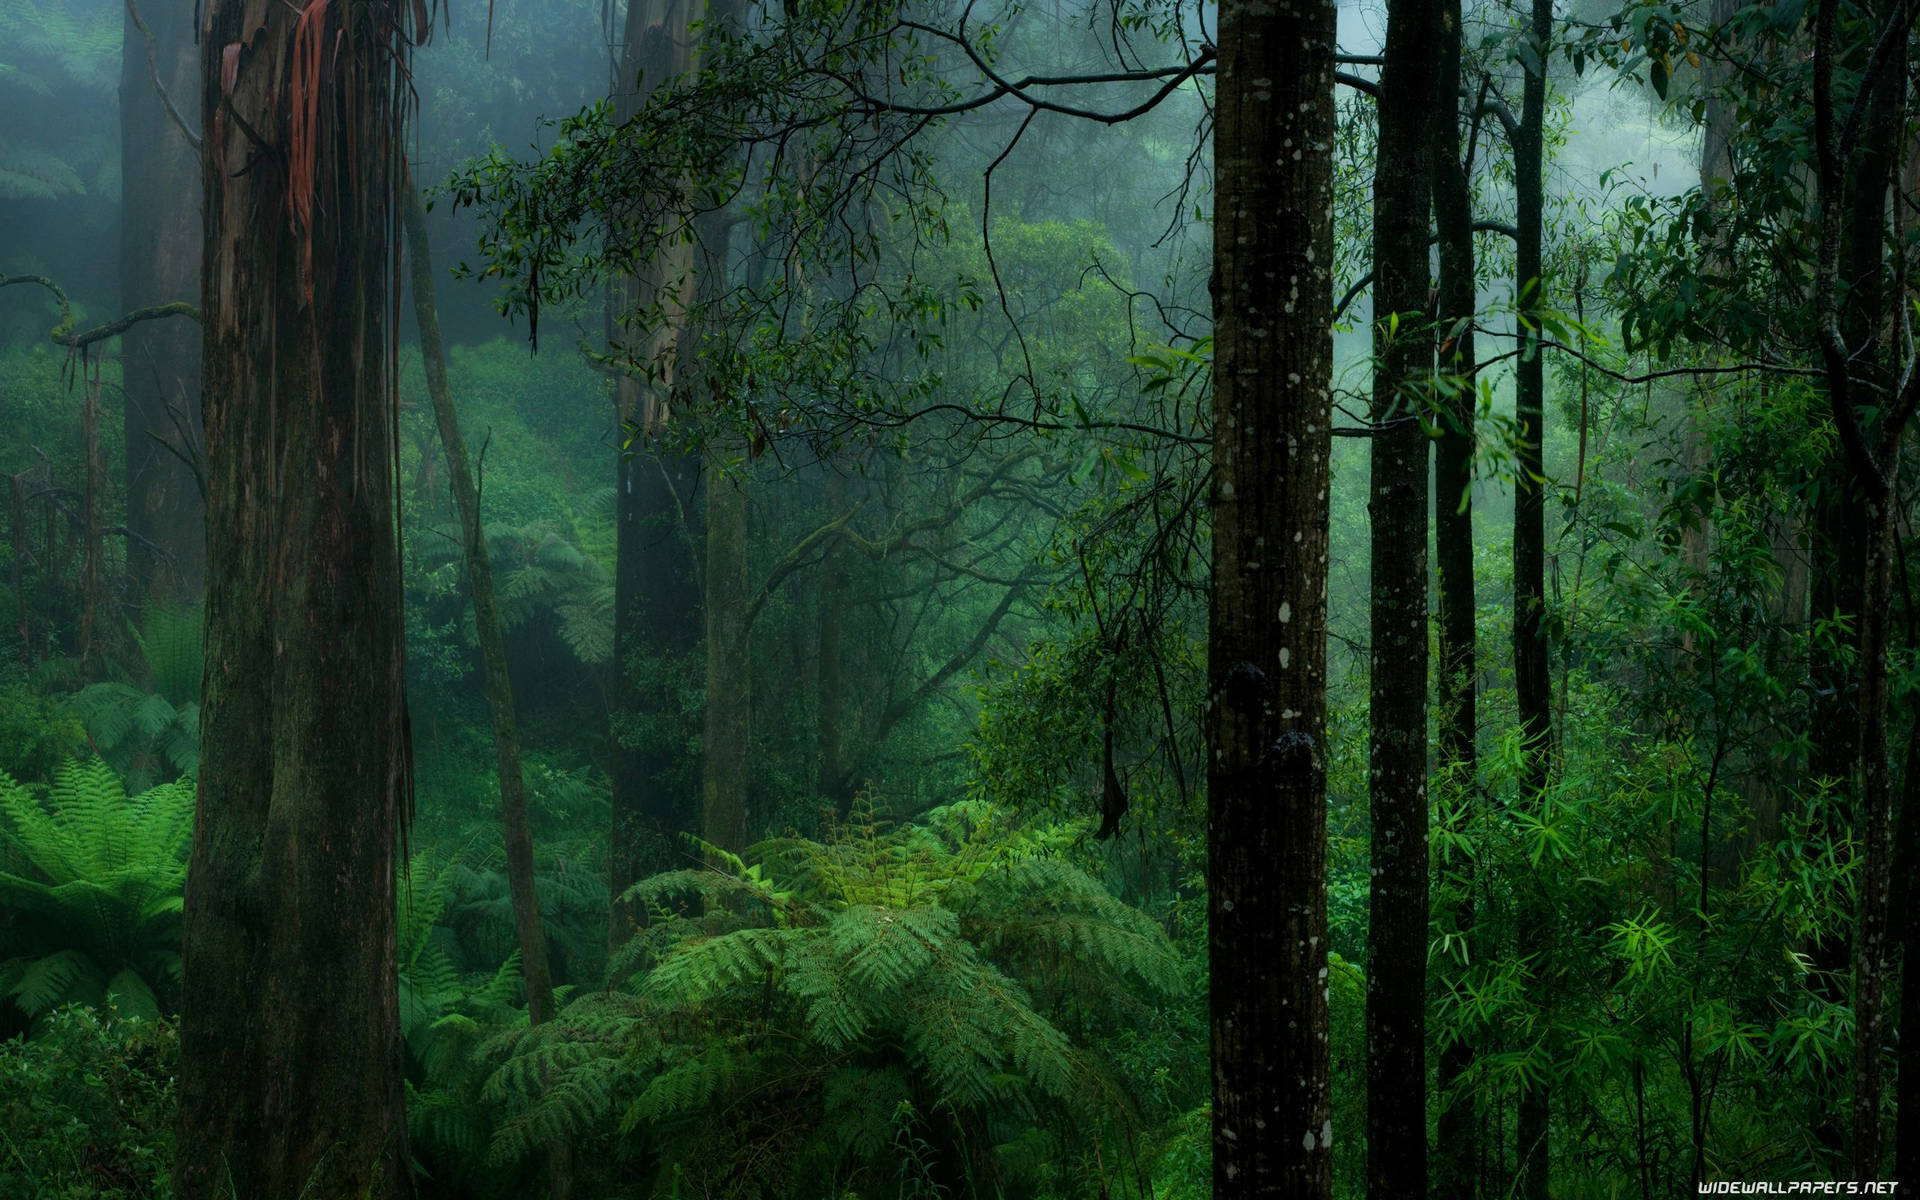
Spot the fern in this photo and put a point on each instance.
(95, 880)
(141, 734)
(822, 987)
(171, 640)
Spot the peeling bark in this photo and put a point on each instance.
(290, 1054)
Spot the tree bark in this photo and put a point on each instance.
(290, 1054)
(529, 935)
(1852, 192)
(1457, 1145)
(1533, 1118)
(1397, 507)
(833, 784)
(1272, 409)
(656, 577)
(160, 239)
(723, 781)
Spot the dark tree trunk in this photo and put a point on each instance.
(1397, 507)
(518, 838)
(656, 577)
(1906, 1138)
(723, 781)
(1456, 1147)
(1272, 408)
(834, 784)
(290, 1057)
(1529, 554)
(1852, 191)
(160, 235)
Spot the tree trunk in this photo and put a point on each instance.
(1906, 1139)
(656, 602)
(1456, 1147)
(528, 932)
(834, 784)
(160, 237)
(1529, 556)
(1852, 192)
(1397, 507)
(1272, 410)
(723, 783)
(290, 1054)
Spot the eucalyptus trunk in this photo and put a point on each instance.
(290, 1053)
(1397, 509)
(656, 606)
(160, 238)
(1266, 723)
(1534, 1117)
(723, 783)
(1456, 1148)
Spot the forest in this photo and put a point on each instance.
(958, 599)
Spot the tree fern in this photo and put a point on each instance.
(815, 991)
(143, 735)
(95, 880)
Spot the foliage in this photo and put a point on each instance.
(767, 1046)
(91, 884)
(51, 53)
(36, 735)
(87, 1112)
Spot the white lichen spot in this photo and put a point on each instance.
(1308, 1141)
(1286, 610)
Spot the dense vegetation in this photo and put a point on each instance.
(769, 673)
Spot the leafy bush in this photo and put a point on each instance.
(90, 883)
(87, 1110)
(35, 734)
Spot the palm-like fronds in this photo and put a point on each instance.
(94, 880)
(908, 966)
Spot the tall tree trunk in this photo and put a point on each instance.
(1397, 507)
(290, 1054)
(1456, 1148)
(723, 782)
(527, 930)
(656, 577)
(1266, 724)
(1906, 1138)
(1852, 189)
(91, 565)
(160, 236)
(833, 784)
(1529, 553)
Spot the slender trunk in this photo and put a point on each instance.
(723, 785)
(1529, 558)
(1456, 1148)
(1873, 947)
(160, 238)
(833, 782)
(527, 930)
(1272, 408)
(1397, 506)
(1906, 1139)
(1852, 192)
(290, 1053)
(90, 561)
